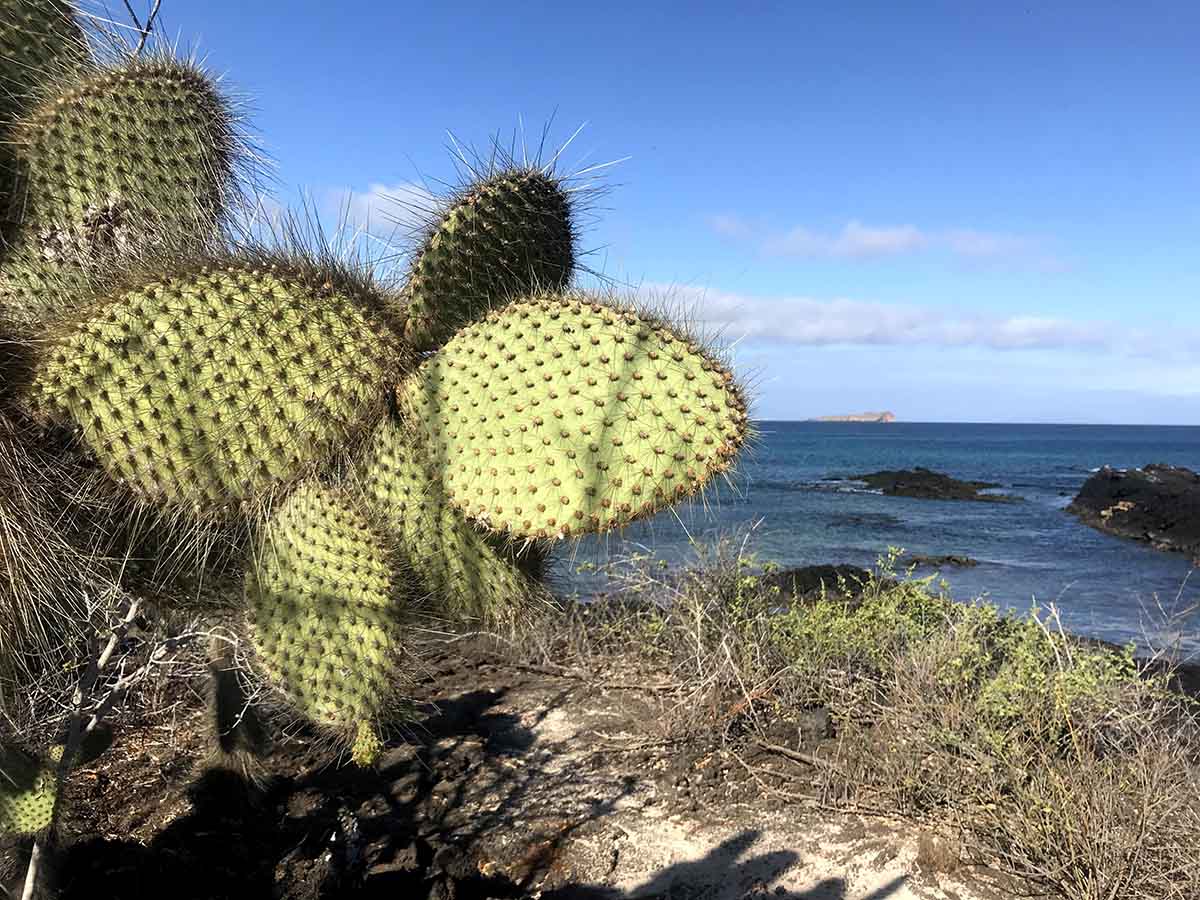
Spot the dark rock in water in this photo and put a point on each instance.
(937, 562)
(805, 582)
(1157, 504)
(926, 484)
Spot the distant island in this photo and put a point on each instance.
(885, 416)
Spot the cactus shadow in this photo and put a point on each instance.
(466, 716)
(314, 834)
(221, 848)
(727, 872)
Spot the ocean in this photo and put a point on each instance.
(786, 503)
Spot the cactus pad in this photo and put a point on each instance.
(212, 387)
(28, 790)
(129, 153)
(36, 37)
(504, 236)
(456, 565)
(560, 415)
(34, 289)
(325, 598)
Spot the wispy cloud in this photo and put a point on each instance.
(860, 241)
(731, 226)
(811, 321)
(855, 240)
(380, 210)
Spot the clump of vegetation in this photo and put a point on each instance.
(1070, 763)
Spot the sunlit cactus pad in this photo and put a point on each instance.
(504, 236)
(211, 387)
(560, 415)
(147, 146)
(27, 792)
(325, 598)
(454, 564)
(36, 37)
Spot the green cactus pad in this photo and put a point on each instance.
(502, 237)
(28, 789)
(325, 599)
(456, 565)
(560, 415)
(213, 387)
(125, 155)
(37, 37)
(34, 289)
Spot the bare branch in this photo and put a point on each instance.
(94, 707)
(149, 27)
(133, 15)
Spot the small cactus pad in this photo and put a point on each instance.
(503, 236)
(35, 289)
(37, 37)
(324, 597)
(559, 415)
(28, 789)
(130, 153)
(213, 387)
(462, 572)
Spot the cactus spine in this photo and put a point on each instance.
(37, 38)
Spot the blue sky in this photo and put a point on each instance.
(957, 211)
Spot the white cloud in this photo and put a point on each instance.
(857, 240)
(380, 210)
(811, 321)
(730, 226)
(986, 244)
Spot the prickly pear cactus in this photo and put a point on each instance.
(502, 236)
(325, 597)
(560, 415)
(218, 384)
(28, 790)
(37, 38)
(279, 392)
(472, 577)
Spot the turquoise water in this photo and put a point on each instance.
(785, 499)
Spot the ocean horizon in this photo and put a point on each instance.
(790, 502)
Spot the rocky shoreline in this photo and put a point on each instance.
(1158, 504)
